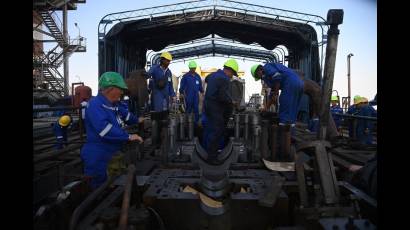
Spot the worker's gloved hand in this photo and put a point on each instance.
(141, 119)
(116, 165)
(135, 137)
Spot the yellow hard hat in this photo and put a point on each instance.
(334, 98)
(64, 120)
(167, 56)
(364, 100)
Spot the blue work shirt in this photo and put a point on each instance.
(160, 97)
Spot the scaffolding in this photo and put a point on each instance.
(47, 78)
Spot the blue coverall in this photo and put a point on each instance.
(364, 126)
(352, 110)
(61, 134)
(191, 85)
(291, 87)
(218, 108)
(160, 97)
(336, 118)
(205, 136)
(105, 136)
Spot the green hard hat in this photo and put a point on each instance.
(253, 71)
(112, 79)
(192, 64)
(335, 98)
(356, 99)
(233, 64)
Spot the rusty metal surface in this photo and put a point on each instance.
(122, 224)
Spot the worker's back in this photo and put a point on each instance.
(217, 90)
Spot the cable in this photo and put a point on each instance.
(159, 219)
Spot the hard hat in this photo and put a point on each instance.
(64, 120)
(112, 79)
(364, 100)
(335, 98)
(231, 63)
(167, 56)
(356, 99)
(192, 64)
(253, 71)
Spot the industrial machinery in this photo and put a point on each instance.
(263, 181)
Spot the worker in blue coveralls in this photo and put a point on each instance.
(335, 109)
(218, 107)
(191, 86)
(365, 127)
(162, 92)
(292, 86)
(60, 130)
(105, 118)
(353, 110)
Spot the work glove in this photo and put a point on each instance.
(116, 166)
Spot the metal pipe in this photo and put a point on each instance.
(256, 141)
(122, 224)
(285, 141)
(87, 202)
(154, 132)
(171, 131)
(65, 56)
(355, 116)
(264, 138)
(334, 18)
(182, 126)
(191, 126)
(274, 141)
(246, 127)
(57, 108)
(348, 77)
(237, 126)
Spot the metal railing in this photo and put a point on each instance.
(193, 6)
(316, 21)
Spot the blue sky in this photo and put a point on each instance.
(358, 35)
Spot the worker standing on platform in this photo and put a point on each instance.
(105, 136)
(218, 107)
(162, 91)
(60, 130)
(191, 86)
(292, 86)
